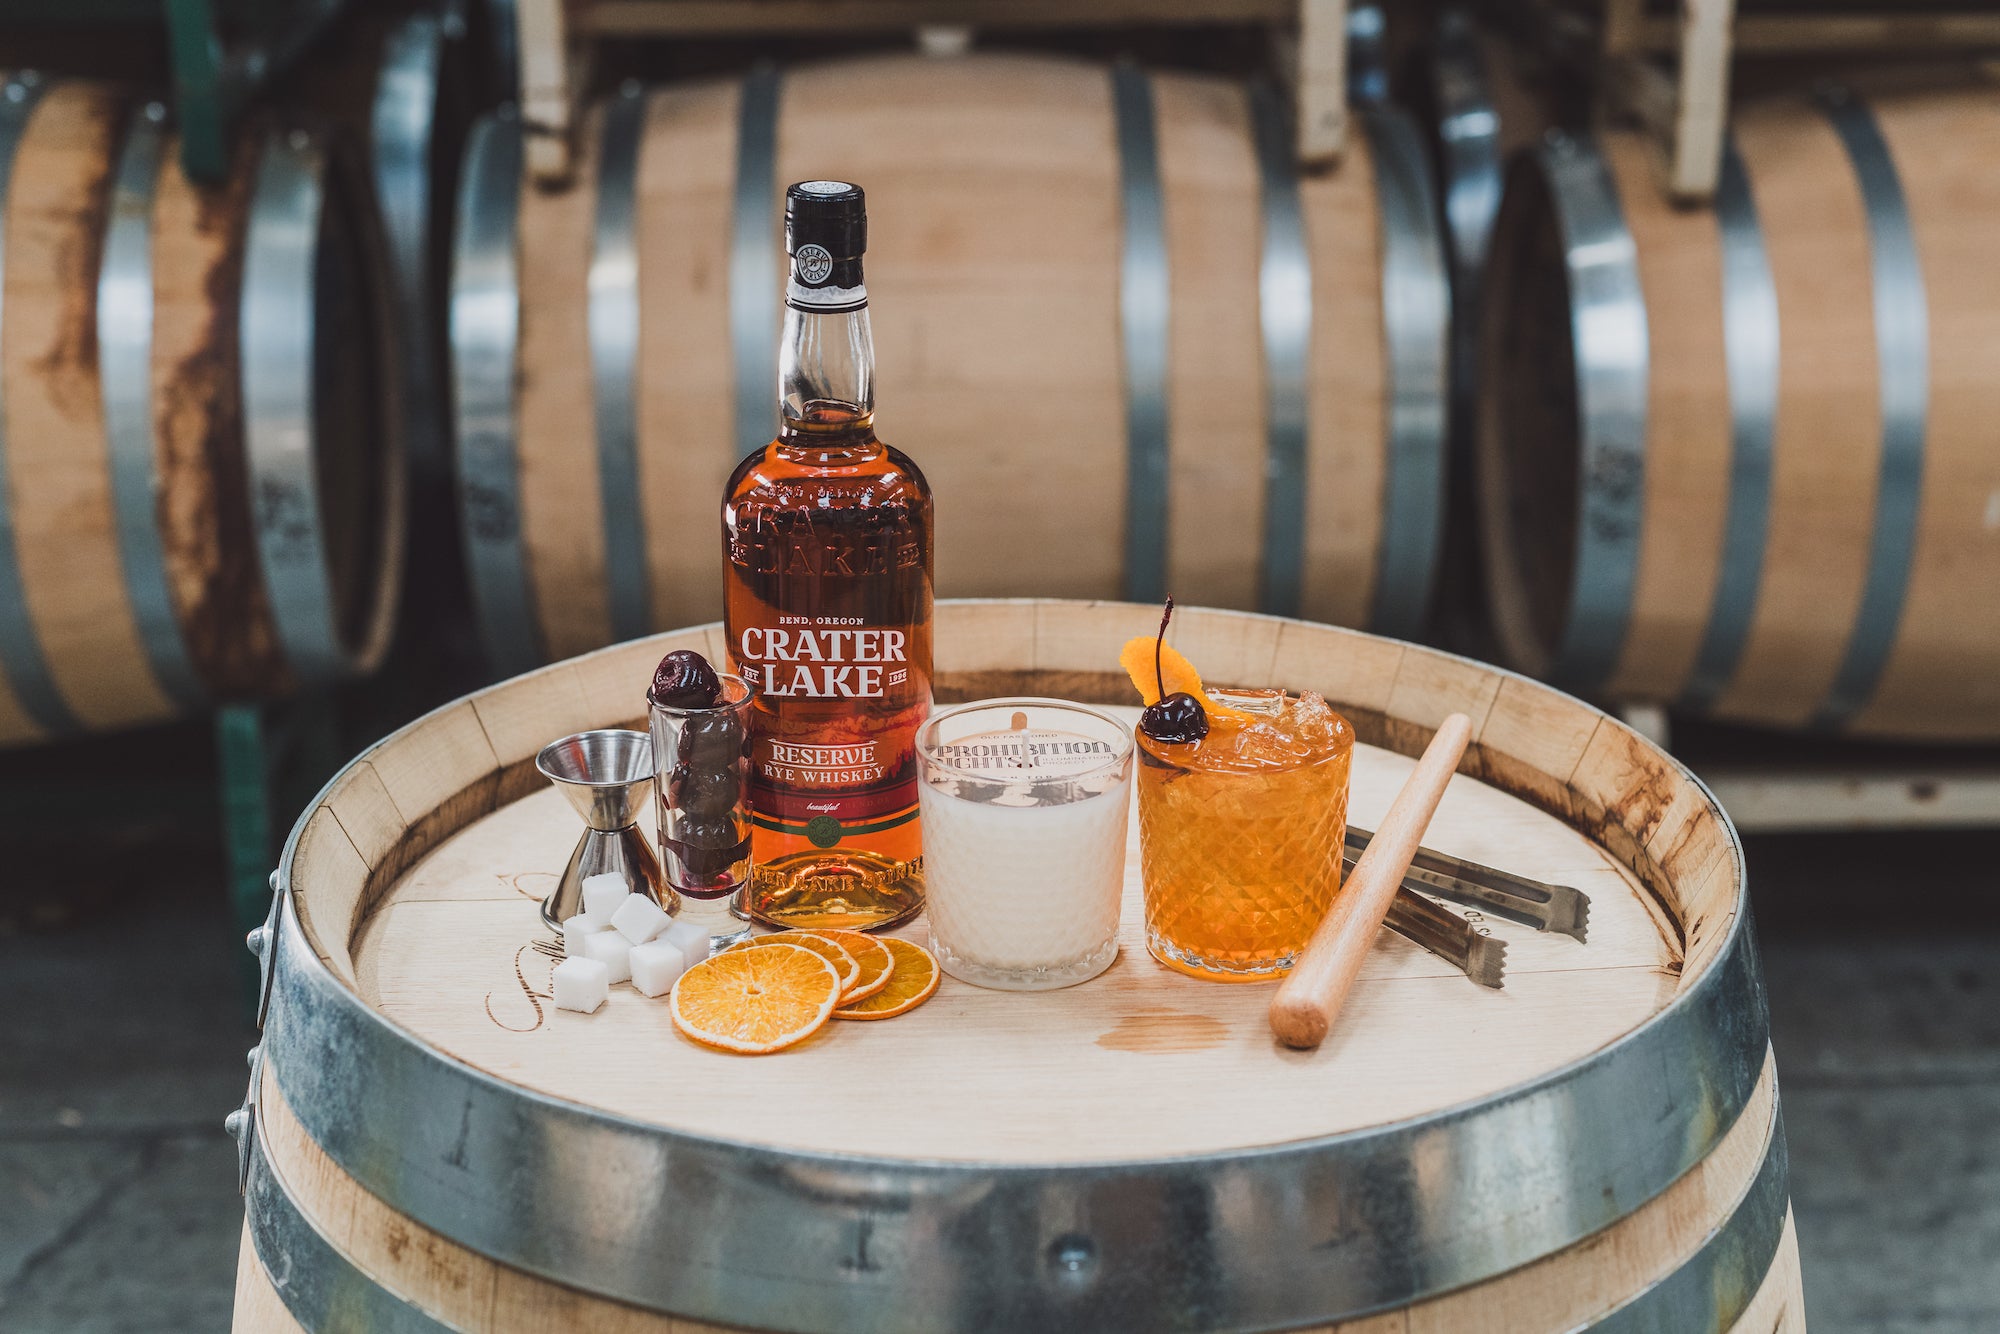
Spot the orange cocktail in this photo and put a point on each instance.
(1241, 834)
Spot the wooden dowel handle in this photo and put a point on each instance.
(1310, 998)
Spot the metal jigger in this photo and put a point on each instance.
(608, 776)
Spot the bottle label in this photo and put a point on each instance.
(834, 755)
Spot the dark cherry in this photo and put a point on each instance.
(707, 831)
(702, 791)
(684, 680)
(710, 742)
(1177, 718)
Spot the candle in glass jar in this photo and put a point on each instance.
(1024, 805)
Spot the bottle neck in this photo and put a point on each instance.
(826, 368)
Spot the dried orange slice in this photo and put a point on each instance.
(1179, 674)
(756, 1001)
(877, 963)
(915, 978)
(819, 943)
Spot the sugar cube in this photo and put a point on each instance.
(575, 929)
(613, 951)
(580, 985)
(603, 893)
(691, 938)
(655, 966)
(639, 919)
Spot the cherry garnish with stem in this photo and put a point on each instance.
(1178, 717)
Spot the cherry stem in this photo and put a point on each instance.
(1159, 641)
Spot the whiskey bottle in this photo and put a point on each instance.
(827, 539)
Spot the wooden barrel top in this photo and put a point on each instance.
(1466, 1132)
(1140, 1063)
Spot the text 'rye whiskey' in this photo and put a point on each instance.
(827, 536)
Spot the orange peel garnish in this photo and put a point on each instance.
(1180, 676)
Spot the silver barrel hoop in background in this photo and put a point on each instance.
(1902, 349)
(485, 335)
(1751, 354)
(754, 289)
(125, 367)
(614, 360)
(286, 319)
(1143, 310)
(1608, 331)
(1285, 319)
(1416, 324)
(403, 128)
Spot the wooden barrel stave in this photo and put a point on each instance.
(1801, 511)
(474, 756)
(1001, 306)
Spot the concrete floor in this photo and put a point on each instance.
(118, 1205)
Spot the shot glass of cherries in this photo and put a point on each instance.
(1178, 717)
(702, 746)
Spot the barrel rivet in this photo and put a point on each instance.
(1072, 1256)
(259, 940)
(236, 1123)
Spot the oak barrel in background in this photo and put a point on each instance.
(428, 1146)
(198, 439)
(1743, 459)
(1133, 351)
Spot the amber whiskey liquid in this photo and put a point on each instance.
(827, 546)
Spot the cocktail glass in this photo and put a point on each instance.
(1241, 833)
(1024, 804)
(700, 757)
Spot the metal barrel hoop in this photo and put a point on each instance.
(1468, 149)
(125, 368)
(322, 1288)
(614, 360)
(1143, 316)
(1416, 321)
(1716, 1284)
(1608, 331)
(1751, 352)
(298, 176)
(1709, 1290)
(485, 334)
(402, 127)
(755, 260)
(1601, 1136)
(23, 665)
(1284, 319)
(1902, 348)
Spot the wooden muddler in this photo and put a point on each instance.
(1310, 998)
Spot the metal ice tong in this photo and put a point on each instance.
(1559, 908)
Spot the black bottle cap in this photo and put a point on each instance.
(832, 215)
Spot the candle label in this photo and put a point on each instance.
(1024, 754)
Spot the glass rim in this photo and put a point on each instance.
(726, 678)
(927, 737)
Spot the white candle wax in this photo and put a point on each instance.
(1024, 855)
